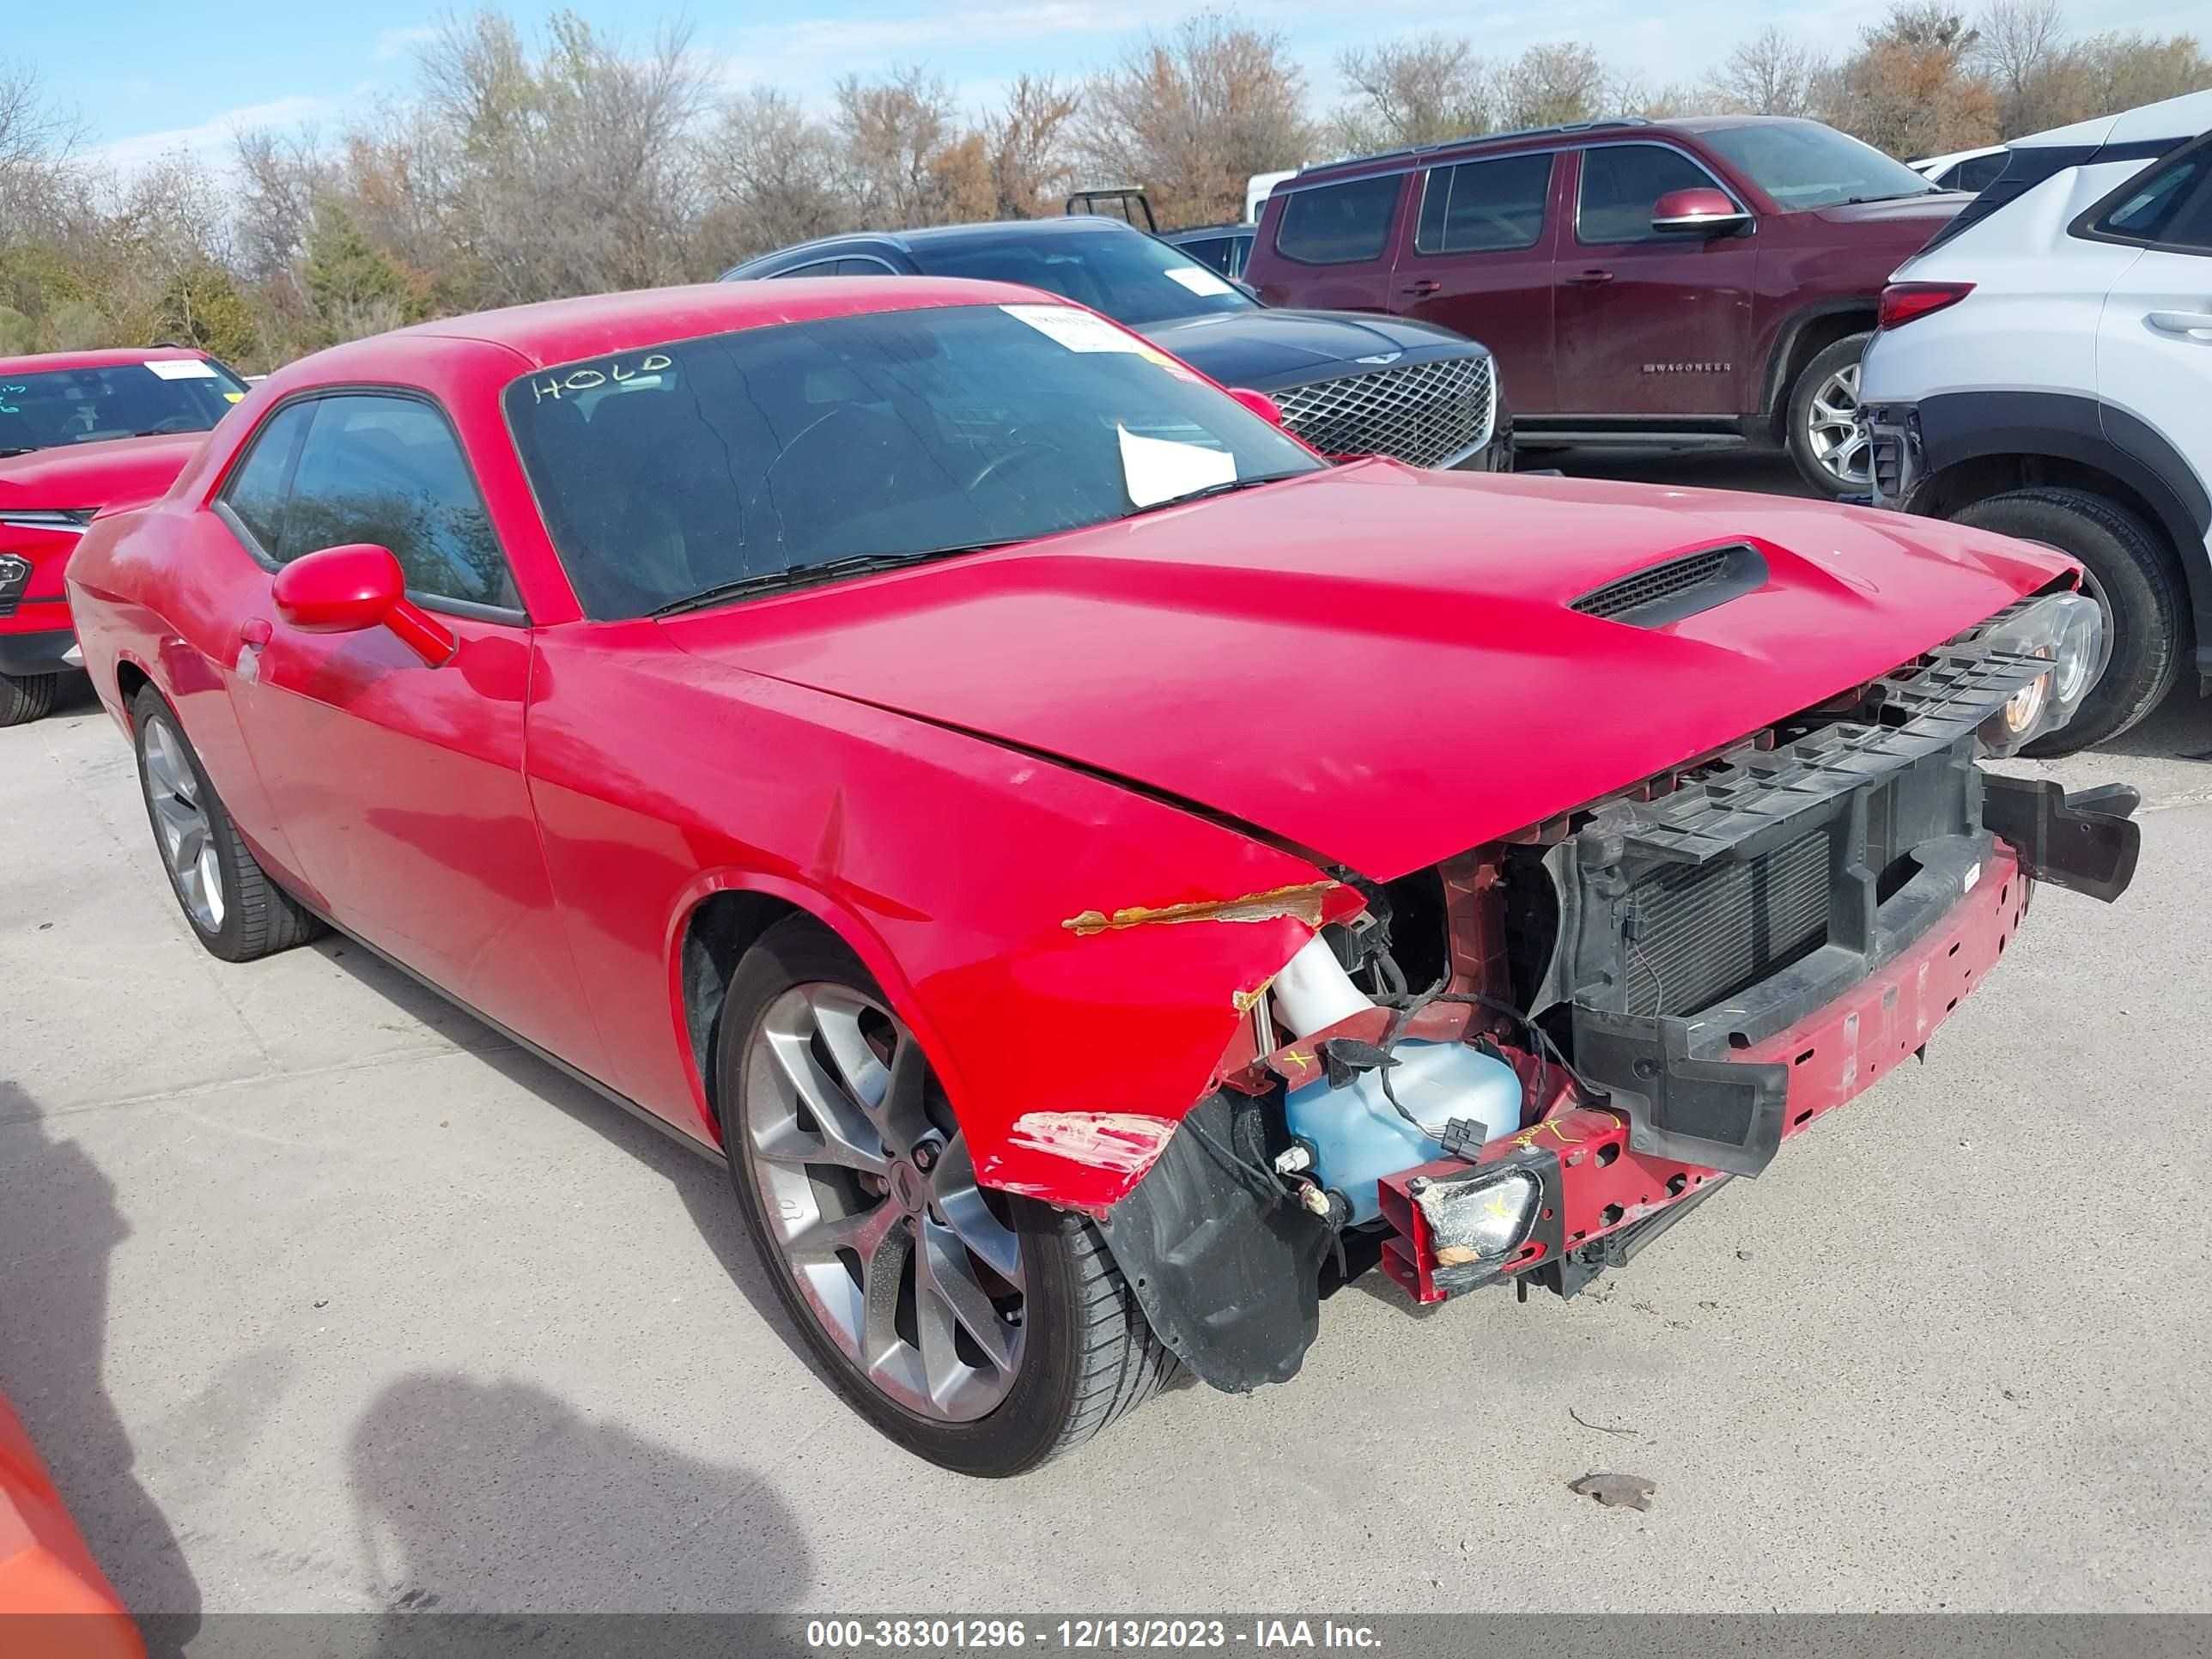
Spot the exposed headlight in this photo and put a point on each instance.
(2068, 630)
(1479, 1218)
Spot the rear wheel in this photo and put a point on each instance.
(234, 909)
(1826, 440)
(986, 1332)
(2125, 562)
(26, 698)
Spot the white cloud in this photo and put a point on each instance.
(212, 141)
(398, 43)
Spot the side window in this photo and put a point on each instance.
(2172, 208)
(1484, 207)
(860, 265)
(1212, 251)
(1977, 174)
(1621, 183)
(389, 470)
(819, 268)
(1339, 224)
(256, 491)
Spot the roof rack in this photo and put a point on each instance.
(1480, 139)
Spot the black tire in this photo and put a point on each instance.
(26, 698)
(258, 917)
(2128, 561)
(1797, 428)
(1089, 1356)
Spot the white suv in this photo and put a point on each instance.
(2044, 369)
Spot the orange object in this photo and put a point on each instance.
(55, 1603)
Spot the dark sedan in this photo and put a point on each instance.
(1348, 383)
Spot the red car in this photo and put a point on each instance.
(1707, 282)
(82, 432)
(1100, 873)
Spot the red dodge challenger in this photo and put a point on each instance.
(1099, 875)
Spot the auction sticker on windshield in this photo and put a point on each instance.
(1079, 330)
(1199, 281)
(183, 368)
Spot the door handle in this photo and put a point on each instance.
(1422, 285)
(1590, 278)
(254, 631)
(2192, 322)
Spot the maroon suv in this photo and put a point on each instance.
(1705, 282)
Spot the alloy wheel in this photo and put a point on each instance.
(180, 823)
(1839, 443)
(869, 1191)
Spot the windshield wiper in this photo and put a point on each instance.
(20, 449)
(804, 575)
(1226, 487)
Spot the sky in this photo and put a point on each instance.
(149, 76)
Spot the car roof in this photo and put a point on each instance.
(935, 235)
(1605, 127)
(1239, 229)
(107, 357)
(566, 330)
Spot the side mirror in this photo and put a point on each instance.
(1259, 403)
(1702, 212)
(344, 590)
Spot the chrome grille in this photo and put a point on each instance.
(1424, 414)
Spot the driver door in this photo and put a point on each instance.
(399, 787)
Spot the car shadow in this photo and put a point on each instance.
(59, 1227)
(701, 1183)
(498, 1499)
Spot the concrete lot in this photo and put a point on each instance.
(317, 1295)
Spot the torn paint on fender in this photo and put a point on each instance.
(1302, 902)
(1125, 1142)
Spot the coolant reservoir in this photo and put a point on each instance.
(1357, 1135)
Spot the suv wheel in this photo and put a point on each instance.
(2125, 562)
(1826, 440)
(984, 1331)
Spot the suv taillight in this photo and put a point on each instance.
(1904, 302)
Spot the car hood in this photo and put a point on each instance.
(1906, 216)
(120, 472)
(1376, 664)
(1276, 347)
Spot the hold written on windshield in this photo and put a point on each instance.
(569, 382)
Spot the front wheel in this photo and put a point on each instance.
(234, 909)
(986, 1332)
(1830, 448)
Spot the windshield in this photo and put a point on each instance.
(1124, 273)
(669, 473)
(1803, 164)
(123, 400)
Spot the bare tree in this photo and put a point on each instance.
(1773, 73)
(1420, 91)
(2120, 71)
(1026, 143)
(572, 169)
(1547, 85)
(279, 177)
(36, 143)
(901, 136)
(774, 178)
(2020, 47)
(1192, 114)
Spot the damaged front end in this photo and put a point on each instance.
(1622, 1007)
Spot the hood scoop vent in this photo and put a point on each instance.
(1679, 588)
